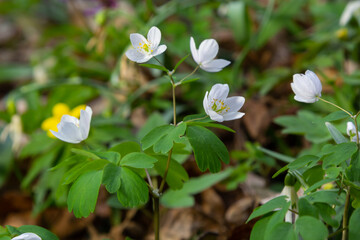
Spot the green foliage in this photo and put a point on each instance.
(278, 202)
(183, 197)
(354, 225)
(306, 225)
(163, 137)
(335, 155)
(41, 232)
(208, 148)
(282, 231)
(111, 177)
(138, 160)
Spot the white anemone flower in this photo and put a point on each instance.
(145, 49)
(205, 56)
(221, 108)
(73, 130)
(27, 236)
(292, 197)
(351, 9)
(307, 88)
(351, 131)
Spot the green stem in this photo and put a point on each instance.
(195, 119)
(190, 74)
(160, 62)
(333, 104)
(156, 218)
(335, 233)
(357, 130)
(345, 217)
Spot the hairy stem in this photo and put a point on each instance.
(345, 217)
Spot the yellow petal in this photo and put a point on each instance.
(75, 112)
(60, 109)
(50, 123)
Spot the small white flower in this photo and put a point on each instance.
(221, 108)
(27, 236)
(351, 131)
(73, 130)
(351, 9)
(204, 57)
(145, 49)
(307, 88)
(292, 197)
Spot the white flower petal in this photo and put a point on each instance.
(350, 129)
(85, 119)
(233, 115)
(70, 119)
(27, 236)
(208, 50)
(235, 103)
(215, 116)
(314, 78)
(307, 88)
(348, 12)
(137, 39)
(136, 56)
(68, 132)
(215, 65)
(154, 37)
(159, 50)
(206, 103)
(194, 51)
(219, 91)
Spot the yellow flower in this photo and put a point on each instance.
(58, 111)
(328, 186)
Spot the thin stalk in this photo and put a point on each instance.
(149, 179)
(190, 74)
(195, 119)
(160, 62)
(335, 233)
(333, 104)
(156, 218)
(357, 130)
(345, 217)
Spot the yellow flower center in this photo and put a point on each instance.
(145, 47)
(58, 111)
(219, 106)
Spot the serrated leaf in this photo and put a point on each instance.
(138, 160)
(166, 142)
(335, 134)
(111, 177)
(184, 198)
(334, 155)
(154, 66)
(154, 120)
(154, 135)
(208, 148)
(84, 192)
(305, 226)
(133, 191)
(354, 233)
(176, 176)
(278, 202)
(126, 147)
(41, 232)
(179, 62)
(213, 125)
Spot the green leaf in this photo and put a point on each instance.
(334, 116)
(327, 213)
(154, 66)
(325, 196)
(133, 191)
(306, 209)
(303, 161)
(176, 176)
(201, 117)
(335, 134)
(154, 135)
(82, 168)
(85, 153)
(208, 148)
(84, 192)
(282, 231)
(111, 177)
(183, 197)
(278, 202)
(39, 143)
(311, 228)
(138, 160)
(281, 170)
(166, 142)
(189, 80)
(338, 153)
(353, 172)
(276, 218)
(179, 62)
(113, 157)
(258, 232)
(276, 155)
(213, 125)
(305, 123)
(354, 233)
(41, 232)
(319, 184)
(126, 147)
(238, 14)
